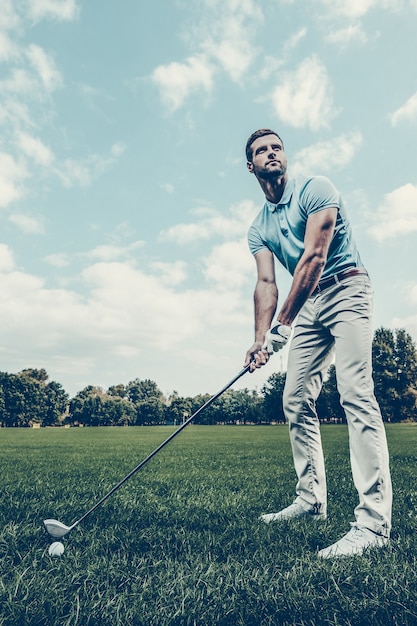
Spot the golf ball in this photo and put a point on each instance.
(56, 549)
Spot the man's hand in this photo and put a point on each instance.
(256, 356)
(276, 338)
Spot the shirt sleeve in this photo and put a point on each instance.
(318, 194)
(255, 241)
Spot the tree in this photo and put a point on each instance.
(328, 402)
(150, 411)
(394, 363)
(87, 407)
(118, 391)
(140, 390)
(148, 401)
(56, 403)
(239, 406)
(178, 409)
(118, 412)
(27, 398)
(272, 398)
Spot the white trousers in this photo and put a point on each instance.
(337, 322)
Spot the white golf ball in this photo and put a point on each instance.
(56, 549)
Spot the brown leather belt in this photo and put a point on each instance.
(336, 278)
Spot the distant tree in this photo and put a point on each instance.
(87, 407)
(28, 398)
(118, 391)
(178, 409)
(119, 412)
(93, 406)
(394, 361)
(40, 376)
(254, 401)
(328, 402)
(272, 398)
(139, 390)
(239, 406)
(150, 412)
(213, 414)
(148, 400)
(56, 403)
(2, 404)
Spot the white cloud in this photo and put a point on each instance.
(271, 64)
(356, 8)
(82, 172)
(325, 156)
(118, 149)
(12, 174)
(35, 149)
(295, 39)
(168, 187)
(112, 252)
(344, 36)
(407, 113)
(8, 49)
(229, 265)
(305, 96)
(20, 82)
(83, 337)
(45, 67)
(171, 273)
(7, 263)
(27, 224)
(223, 40)
(397, 215)
(60, 10)
(228, 33)
(212, 223)
(9, 19)
(14, 114)
(409, 323)
(177, 81)
(59, 259)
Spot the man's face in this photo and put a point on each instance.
(268, 158)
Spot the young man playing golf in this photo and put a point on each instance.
(304, 225)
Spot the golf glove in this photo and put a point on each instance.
(277, 337)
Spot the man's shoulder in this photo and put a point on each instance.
(313, 181)
(316, 189)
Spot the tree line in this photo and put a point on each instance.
(28, 398)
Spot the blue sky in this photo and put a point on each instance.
(124, 195)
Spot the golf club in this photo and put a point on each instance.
(58, 529)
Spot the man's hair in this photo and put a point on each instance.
(254, 136)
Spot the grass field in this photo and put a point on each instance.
(181, 544)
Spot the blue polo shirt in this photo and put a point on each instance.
(281, 227)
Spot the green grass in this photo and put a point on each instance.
(181, 544)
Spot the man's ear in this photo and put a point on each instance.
(250, 166)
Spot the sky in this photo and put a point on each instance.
(124, 194)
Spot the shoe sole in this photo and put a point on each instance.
(284, 518)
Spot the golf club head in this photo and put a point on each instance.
(56, 529)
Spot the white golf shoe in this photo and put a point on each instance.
(294, 511)
(355, 542)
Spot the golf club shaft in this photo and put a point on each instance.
(162, 445)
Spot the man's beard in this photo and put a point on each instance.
(267, 174)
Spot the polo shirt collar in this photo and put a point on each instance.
(286, 196)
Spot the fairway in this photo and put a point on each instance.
(181, 544)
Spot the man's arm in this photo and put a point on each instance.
(265, 302)
(318, 236)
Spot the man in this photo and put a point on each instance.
(304, 224)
